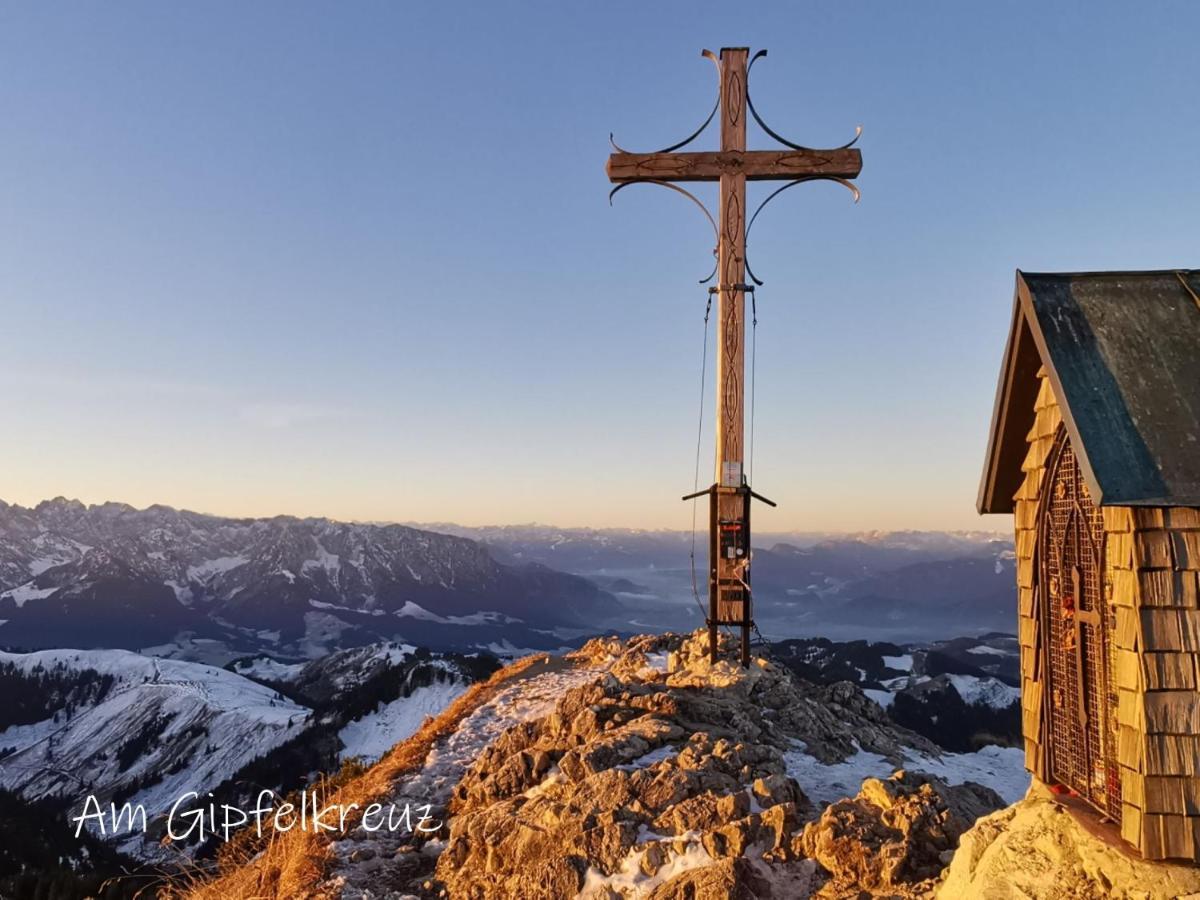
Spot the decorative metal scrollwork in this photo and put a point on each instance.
(708, 54)
(750, 224)
(690, 196)
(774, 134)
(785, 142)
(767, 128)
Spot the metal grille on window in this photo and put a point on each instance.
(1079, 625)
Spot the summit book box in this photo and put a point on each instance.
(1095, 449)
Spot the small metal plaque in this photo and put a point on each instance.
(731, 474)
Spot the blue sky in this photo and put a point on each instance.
(357, 260)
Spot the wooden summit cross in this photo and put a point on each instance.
(733, 165)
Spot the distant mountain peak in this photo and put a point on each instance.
(112, 575)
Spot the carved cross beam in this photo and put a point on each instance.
(754, 165)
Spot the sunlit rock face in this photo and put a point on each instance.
(895, 836)
(1038, 849)
(663, 776)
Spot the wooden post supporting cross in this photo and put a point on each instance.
(733, 165)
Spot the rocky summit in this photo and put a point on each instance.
(644, 771)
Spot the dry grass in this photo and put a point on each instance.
(292, 864)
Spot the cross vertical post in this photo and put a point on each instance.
(728, 599)
(732, 166)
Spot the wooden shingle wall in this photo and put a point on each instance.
(1154, 564)
(1121, 576)
(1152, 577)
(1040, 440)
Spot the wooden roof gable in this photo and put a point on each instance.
(1122, 352)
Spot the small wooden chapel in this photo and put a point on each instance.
(1095, 449)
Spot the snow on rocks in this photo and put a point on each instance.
(648, 772)
(1000, 768)
(650, 784)
(355, 868)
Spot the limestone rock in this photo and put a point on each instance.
(775, 828)
(773, 789)
(703, 812)
(676, 781)
(1037, 850)
(740, 879)
(893, 834)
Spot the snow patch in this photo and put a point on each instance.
(370, 737)
(218, 566)
(983, 649)
(321, 634)
(330, 562)
(883, 698)
(183, 593)
(444, 766)
(40, 565)
(989, 691)
(483, 618)
(321, 604)
(505, 649)
(26, 592)
(414, 611)
(1000, 768)
(657, 662)
(631, 882)
(263, 668)
(553, 777)
(646, 760)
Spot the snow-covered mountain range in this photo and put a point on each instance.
(124, 727)
(212, 588)
(155, 729)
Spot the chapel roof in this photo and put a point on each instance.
(1122, 353)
